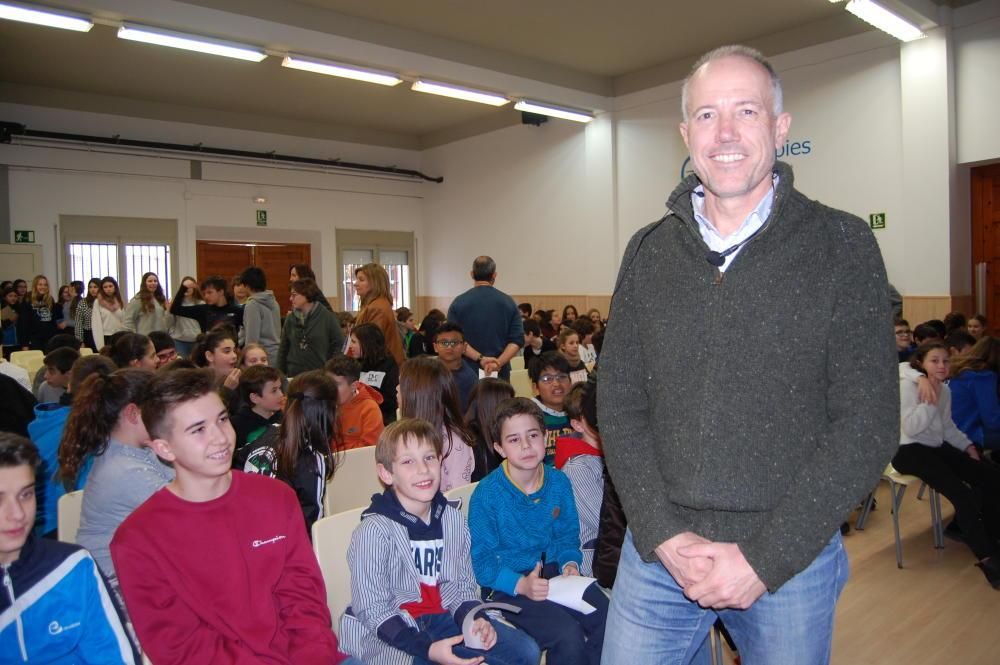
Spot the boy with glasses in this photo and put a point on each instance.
(449, 345)
(550, 382)
(904, 340)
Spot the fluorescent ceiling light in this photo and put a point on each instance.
(467, 94)
(141, 33)
(47, 17)
(340, 69)
(884, 20)
(554, 111)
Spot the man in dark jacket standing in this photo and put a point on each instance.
(737, 460)
(492, 323)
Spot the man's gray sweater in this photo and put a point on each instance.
(755, 406)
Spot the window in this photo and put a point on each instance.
(393, 250)
(119, 247)
(140, 259)
(89, 260)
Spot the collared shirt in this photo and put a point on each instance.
(753, 223)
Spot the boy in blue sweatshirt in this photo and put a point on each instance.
(411, 577)
(525, 531)
(54, 607)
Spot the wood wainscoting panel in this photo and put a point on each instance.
(917, 309)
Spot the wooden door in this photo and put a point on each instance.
(986, 240)
(224, 259)
(275, 260)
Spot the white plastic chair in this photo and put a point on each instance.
(23, 358)
(516, 363)
(462, 494)
(331, 537)
(354, 481)
(521, 383)
(68, 516)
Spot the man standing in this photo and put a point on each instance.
(737, 459)
(491, 321)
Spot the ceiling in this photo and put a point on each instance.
(575, 52)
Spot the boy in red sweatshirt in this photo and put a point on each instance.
(359, 419)
(215, 567)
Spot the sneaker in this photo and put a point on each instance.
(991, 569)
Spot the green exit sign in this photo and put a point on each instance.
(877, 220)
(24, 236)
(261, 218)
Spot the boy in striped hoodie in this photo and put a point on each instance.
(411, 575)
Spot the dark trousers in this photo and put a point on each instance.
(569, 637)
(973, 487)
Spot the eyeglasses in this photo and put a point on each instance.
(450, 343)
(551, 378)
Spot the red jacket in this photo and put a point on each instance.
(359, 422)
(232, 580)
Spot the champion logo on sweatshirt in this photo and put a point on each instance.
(261, 543)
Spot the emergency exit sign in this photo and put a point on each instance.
(877, 220)
(24, 236)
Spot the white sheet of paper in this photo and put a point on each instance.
(579, 376)
(568, 590)
(472, 639)
(487, 375)
(587, 354)
(373, 379)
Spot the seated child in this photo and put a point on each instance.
(535, 343)
(525, 531)
(165, 347)
(57, 367)
(215, 567)
(569, 347)
(581, 459)
(411, 576)
(262, 402)
(359, 420)
(549, 376)
(449, 344)
(68, 597)
(378, 367)
(298, 450)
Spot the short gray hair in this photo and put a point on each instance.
(735, 51)
(483, 269)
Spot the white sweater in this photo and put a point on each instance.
(928, 424)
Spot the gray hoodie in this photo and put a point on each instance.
(262, 323)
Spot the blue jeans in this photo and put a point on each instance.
(512, 646)
(651, 621)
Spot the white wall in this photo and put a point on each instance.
(977, 70)
(536, 199)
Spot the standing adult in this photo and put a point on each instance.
(494, 330)
(148, 309)
(261, 314)
(39, 316)
(299, 271)
(371, 283)
(737, 459)
(311, 335)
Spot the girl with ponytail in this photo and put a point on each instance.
(298, 450)
(106, 426)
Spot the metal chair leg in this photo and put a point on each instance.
(865, 511)
(920, 492)
(715, 646)
(936, 520)
(897, 498)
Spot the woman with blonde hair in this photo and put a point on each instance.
(39, 316)
(371, 283)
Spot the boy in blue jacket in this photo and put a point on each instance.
(54, 607)
(525, 531)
